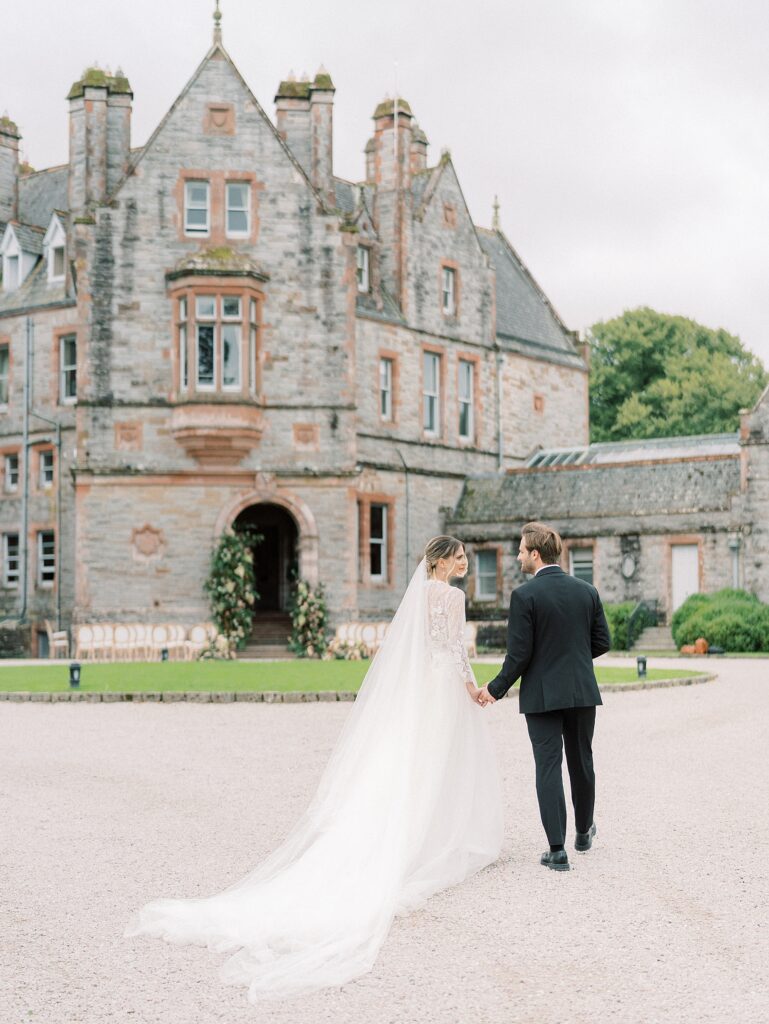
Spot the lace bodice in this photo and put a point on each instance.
(446, 625)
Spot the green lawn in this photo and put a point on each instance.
(306, 676)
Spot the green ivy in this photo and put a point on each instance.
(230, 586)
(308, 620)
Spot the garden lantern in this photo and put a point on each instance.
(641, 666)
(74, 675)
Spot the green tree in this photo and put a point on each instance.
(654, 375)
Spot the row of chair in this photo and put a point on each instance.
(371, 634)
(138, 642)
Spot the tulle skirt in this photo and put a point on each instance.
(402, 812)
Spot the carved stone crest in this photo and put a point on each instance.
(147, 543)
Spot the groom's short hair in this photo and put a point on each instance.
(542, 538)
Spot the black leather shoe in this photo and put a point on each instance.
(584, 840)
(557, 860)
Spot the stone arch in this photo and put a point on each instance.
(299, 510)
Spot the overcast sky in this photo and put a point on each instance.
(628, 140)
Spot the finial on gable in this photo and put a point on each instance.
(495, 219)
(217, 25)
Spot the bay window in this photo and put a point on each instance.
(216, 338)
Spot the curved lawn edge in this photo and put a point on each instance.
(278, 697)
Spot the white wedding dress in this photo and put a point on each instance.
(408, 804)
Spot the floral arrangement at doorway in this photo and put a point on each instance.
(231, 591)
(308, 620)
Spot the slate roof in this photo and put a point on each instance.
(35, 292)
(602, 491)
(345, 195)
(525, 319)
(30, 239)
(40, 194)
(389, 313)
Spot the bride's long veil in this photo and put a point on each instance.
(316, 911)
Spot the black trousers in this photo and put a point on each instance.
(550, 732)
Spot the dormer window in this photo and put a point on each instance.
(54, 248)
(11, 254)
(56, 264)
(196, 207)
(11, 273)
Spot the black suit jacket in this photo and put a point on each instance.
(555, 629)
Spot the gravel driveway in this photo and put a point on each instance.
(105, 806)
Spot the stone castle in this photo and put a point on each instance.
(213, 330)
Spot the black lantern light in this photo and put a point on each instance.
(164, 654)
(641, 666)
(74, 675)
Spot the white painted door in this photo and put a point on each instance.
(686, 572)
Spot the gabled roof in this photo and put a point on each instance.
(425, 185)
(40, 193)
(30, 239)
(217, 52)
(526, 321)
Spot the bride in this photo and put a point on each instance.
(408, 804)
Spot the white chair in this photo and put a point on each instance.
(197, 640)
(158, 640)
(83, 643)
(103, 637)
(177, 641)
(58, 641)
(368, 637)
(142, 641)
(123, 642)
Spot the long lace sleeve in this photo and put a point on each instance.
(457, 634)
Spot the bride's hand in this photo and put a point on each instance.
(475, 693)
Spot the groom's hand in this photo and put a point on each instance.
(484, 697)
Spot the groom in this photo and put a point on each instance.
(556, 627)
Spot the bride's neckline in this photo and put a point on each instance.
(434, 579)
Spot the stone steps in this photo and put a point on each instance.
(655, 638)
(266, 652)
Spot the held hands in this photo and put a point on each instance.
(481, 695)
(484, 697)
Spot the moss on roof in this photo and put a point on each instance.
(388, 107)
(9, 126)
(293, 90)
(95, 78)
(323, 81)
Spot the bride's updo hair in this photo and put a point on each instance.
(441, 547)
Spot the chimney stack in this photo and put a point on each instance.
(418, 149)
(392, 177)
(9, 169)
(119, 102)
(392, 159)
(322, 134)
(292, 119)
(99, 136)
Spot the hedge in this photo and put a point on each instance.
(732, 619)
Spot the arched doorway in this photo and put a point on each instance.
(275, 556)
